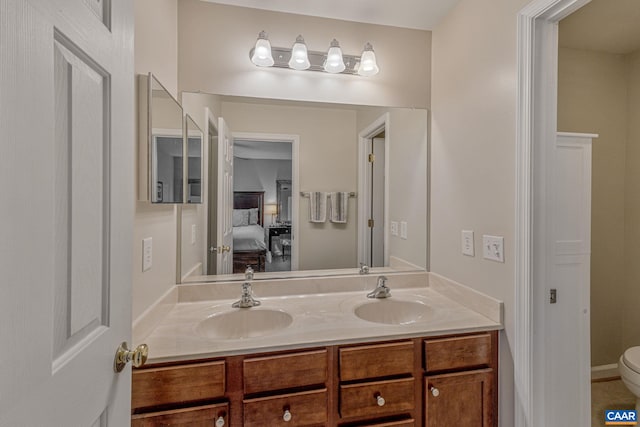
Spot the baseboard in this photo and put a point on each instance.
(604, 372)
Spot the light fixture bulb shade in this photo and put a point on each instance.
(368, 64)
(299, 57)
(334, 62)
(262, 56)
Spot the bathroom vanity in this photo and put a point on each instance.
(423, 357)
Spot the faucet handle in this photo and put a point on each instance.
(382, 281)
(248, 273)
(364, 268)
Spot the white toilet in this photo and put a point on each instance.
(629, 367)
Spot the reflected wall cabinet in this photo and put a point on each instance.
(161, 164)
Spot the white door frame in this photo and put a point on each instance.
(378, 125)
(294, 140)
(536, 124)
(211, 122)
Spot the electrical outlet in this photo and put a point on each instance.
(493, 248)
(193, 234)
(147, 254)
(467, 243)
(394, 228)
(403, 230)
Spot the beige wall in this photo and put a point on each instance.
(156, 42)
(327, 162)
(408, 193)
(631, 314)
(474, 98)
(215, 39)
(592, 98)
(156, 52)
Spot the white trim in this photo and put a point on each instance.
(578, 135)
(211, 122)
(381, 123)
(604, 371)
(294, 140)
(536, 122)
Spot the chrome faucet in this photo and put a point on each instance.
(364, 268)
(381, 290)
(246, 299)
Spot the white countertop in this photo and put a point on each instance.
(322, 319)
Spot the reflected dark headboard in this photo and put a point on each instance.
(248, 200)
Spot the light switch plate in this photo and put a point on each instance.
(467, 243)
(403, 230)
(147, 253)
(193, 234)
(394, 228)
(493, 248)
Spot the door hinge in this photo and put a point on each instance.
(553, 296)
(370, 223)
(372, 158)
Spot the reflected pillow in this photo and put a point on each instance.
(240, 217)
(253, 216)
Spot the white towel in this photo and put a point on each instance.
(339, 205)
(317, 206)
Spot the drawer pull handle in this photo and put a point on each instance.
(286, 417)
(434, 391)
(220, 422)
(380, 400)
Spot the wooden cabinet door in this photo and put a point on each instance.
(464, 399)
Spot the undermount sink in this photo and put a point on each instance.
(394, 312)
(243, 323)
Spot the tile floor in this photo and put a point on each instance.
(609, 395)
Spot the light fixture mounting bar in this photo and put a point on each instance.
(282, 55)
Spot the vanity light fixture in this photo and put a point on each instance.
(261, 54)
(334, 62)
(299, 58)
(368, 65)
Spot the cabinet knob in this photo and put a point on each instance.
(220, 422)
(380, 400)
(286, 417)
(434, 391)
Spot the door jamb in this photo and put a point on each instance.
(536, 123)
(381, 123)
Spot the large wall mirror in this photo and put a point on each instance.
(315, 189)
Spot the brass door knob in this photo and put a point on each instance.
(123, 356)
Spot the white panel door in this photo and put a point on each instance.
(225, 199)
(567, 321)
(66, 216)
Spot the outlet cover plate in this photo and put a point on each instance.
(467, 243)
(147, 254)
(403, 230)
(394, 228)
(493, 248)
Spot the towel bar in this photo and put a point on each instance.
(307, 193)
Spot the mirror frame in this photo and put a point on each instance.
(187, 129)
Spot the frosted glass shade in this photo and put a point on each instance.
(262, 53)
(299, 58)
(368, 64)
(334, 62)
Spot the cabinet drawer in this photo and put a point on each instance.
(357, 400)
(201, 416)
(307, 408)
(285, 371)
(176, 384)
(403, 423)
(457, 353)
(374, 361)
